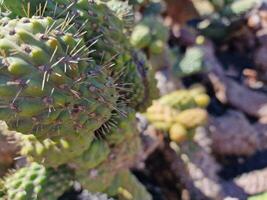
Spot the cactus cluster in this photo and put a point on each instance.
(191, 62)
(150, 34)
(70, 84)
(37, 182)
(179, 113)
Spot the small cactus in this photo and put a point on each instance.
(179, 113)
(151, 34)
(37, 182)
(191, 63)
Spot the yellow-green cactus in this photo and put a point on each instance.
(150, 33)
(35, 182)
(179, 113)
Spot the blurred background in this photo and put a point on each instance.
(218, 50)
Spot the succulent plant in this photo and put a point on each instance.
(67, 88)
(192, 62)
(47, 85)
(179, 113)
(37, 182)
(151, 34)
(104, 24)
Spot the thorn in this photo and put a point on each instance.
(53, 55)
(44, 78)
(44, 8)
(74, 48)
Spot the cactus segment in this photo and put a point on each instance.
(51, 78)
(179, 113)
(35, 182)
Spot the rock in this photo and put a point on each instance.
(232, 134)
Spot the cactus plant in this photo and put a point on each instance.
(150, 33)
(61, 96)
(179, 113)
(191, 63)
(103, 29)
(37, 182)
(38, 90)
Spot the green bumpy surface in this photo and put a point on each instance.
(58, 98)
(47, 86)
(191, 63)
(150, 33)
(93, 17)
(35, 182)
(179, 113)
(55, 150)
(120, 149)
(105, 25)
(186, 99)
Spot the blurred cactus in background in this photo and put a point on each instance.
(224, 21)
(179, 113)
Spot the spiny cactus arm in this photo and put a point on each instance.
(97, 153)
(97, 179)
(96, 19)
(50, 151)
(35, 182)
(52, 69)
(126, 186)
